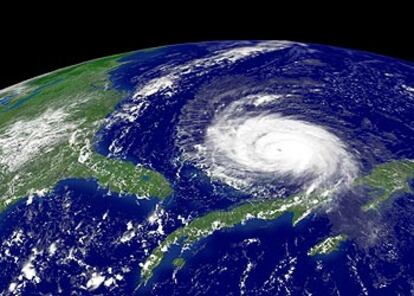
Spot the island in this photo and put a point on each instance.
(384, 181)
(327, 246)
(299, 205)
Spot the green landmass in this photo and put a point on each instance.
(299, 205)
(52, 129)
(386, 180)
(76, 101)
(327, 246)
(179, 262)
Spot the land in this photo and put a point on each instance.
(327, 246)
(47, 131)
(299, 205)
(179, 262)
(384, 181)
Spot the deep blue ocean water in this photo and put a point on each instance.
(359, 96)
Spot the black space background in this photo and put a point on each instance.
(35, 43)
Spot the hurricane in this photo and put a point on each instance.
(257, 149)
(211, 168)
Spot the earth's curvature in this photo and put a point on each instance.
(217, 168)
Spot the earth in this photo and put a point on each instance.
(216, 168)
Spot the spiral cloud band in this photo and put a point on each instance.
(246, 149)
